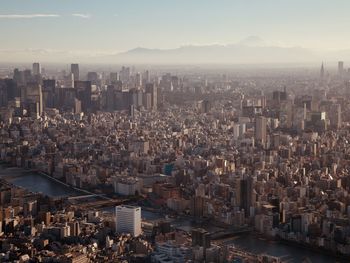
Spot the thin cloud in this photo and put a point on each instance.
(81, 15)
(26, 16)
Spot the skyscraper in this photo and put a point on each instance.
(138, 80)
(150, 88)
(49, 93)
(36, 69)
(147, 76)
(340, 67)
(31, 96)
(260, 129)
(93, 77)
(322, 71)
(246, 191)
(128, 220)
(83, 93)
(74, 68)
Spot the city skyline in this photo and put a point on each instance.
(93, 30)
(174, 131)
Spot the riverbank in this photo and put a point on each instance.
(83, 191)
(292, 254)
(341, 257)
(36, 182)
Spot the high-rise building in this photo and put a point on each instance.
(36, 69)
(246, 193)
(147, 76)
(260, 129)
(31, 95)
(128, 220)
(93, 77)
(322, 71)
(125, 74)
(340, 67)
(49, 92)
(138, 80)
(150, 88)
(114, 77)
(83, 93)
(74, 69)
(335, 116)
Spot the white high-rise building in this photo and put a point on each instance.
(128, 220)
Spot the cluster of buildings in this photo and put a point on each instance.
(264, 153)
(36, 228)
(29, 93)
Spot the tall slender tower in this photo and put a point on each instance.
(260, 129)
(322, 71)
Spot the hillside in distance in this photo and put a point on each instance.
(251, 50)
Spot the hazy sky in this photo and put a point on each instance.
(107, 26)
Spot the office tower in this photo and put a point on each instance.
(114, 77)
(27, 75)
(150, 88)
(31, 96)
(340, 67)
(8, 91)
(133, 97)
(66, 98)
(147, 101)
(93, 77)
(128, 220)
(246, 193)
(49, 90)
(279, 96)
(260, 129)
(3, 94)
(83, 93)
(125, 74)
(110, 98)
(322, 71)
(138, 80)
(74, 69)
(36, 69)
(147, 77)
(335, 116)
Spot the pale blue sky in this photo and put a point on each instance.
(107, 26)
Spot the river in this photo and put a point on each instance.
(36, 182)
(290, 253)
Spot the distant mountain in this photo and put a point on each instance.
(252, 50)
(252, 41)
